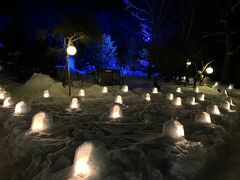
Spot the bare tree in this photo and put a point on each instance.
(227, 11)
(151, 15)
(200, 74)
(189, 18)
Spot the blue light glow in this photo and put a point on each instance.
(72, 63)
(144, 63)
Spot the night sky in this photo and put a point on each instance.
(95, 17)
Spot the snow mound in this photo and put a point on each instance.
(38, 83)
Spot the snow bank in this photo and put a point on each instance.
(37, 84)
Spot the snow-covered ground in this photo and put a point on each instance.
(132, 147)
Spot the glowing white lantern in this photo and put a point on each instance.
(178, 90)
(118, 99)
(90, 158)
(4, 95)
(201, 97)
(155, 90)
(188, 63)
(202, 117)
(170, 96)
(125, 88)
(46, 94)
(148, 97)
(40, 122)
(116, 112)
(191, 101)
(230, 86)
(8, 102)
(225, 105)
(196, 89)
(177, 101)
(173, 129)
(22, 108)
(209, 70)
(81, 93)
(215, 85)
(71, 50)
(213, 109)
(104, 90)
(75, 105)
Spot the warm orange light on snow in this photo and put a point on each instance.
(215, 85)
(118, 99)
(116, 112)
(213, 109)
(104, 90)
(75, 105)
(81, 160)
(3, 95)
(196, 89)
(178, 90)
(191, 101)
(155, 90)
(82, 93)
(8, 102)
(230, 86)
(125, 88)
(202, 117)
(177, 101)
(201, 97)
(40, 122)
(173, 129)
(21, 108)
(170, 96)
(148, 97)
(46, 94)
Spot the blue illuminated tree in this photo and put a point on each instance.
(151, 15)
(108, 52)
(102, 53)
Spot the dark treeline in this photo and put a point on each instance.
(31, 34)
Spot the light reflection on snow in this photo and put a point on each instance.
(46, 94)
(118, 99)
(116, 112)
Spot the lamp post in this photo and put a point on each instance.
(199, 76)
(188, 63)
(71, 51)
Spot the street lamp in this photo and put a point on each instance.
(188, 63)
(71, 51)
(209, 70)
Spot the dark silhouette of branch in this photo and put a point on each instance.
(235, 6)
(235, 32)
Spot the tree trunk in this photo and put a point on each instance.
(227, 61)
